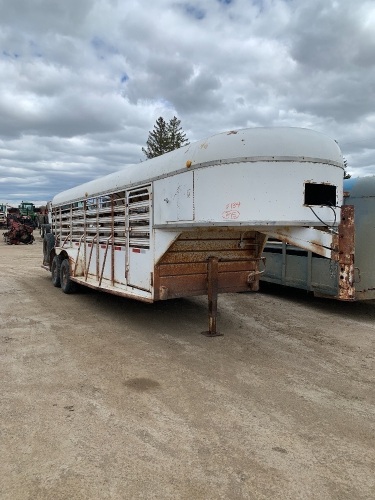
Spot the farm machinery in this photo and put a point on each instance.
(27, 210)
(3, 215)
(20, 230)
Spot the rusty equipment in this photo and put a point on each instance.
(19, 232)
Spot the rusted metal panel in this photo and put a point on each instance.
(183, 286)
(201, 268)
(196, 284)
(218, 233)
(194, 257)
(222, 245)
(346, 254)
(184, 268)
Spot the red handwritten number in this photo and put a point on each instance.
(231, 211)
(231, 214)
(233, 206)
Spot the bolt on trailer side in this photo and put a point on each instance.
(195, 221)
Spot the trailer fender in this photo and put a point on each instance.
(76, 260)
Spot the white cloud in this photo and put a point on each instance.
(83, 83)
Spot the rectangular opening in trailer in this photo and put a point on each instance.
(320, 194)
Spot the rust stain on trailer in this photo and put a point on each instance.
(184, 269)
(346, 244)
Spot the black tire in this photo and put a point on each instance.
(67, 285)
(56, 271)
(44, 229)
(48, 244)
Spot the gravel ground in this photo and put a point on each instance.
(107, 398)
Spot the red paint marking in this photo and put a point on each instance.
(136, 250)
(89, 244)
(233, 206)
(117, 248)
(230, 214)
(102, 246)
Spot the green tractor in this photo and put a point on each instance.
(27, 211)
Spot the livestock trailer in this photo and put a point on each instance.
(195, 221)
(291, 266)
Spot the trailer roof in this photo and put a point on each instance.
(360, 187)
(247, 145)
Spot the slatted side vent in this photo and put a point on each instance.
(101, 218)
(78, 220)
(119, 218)
(61, 222)
(91, 216)
(95, 219)
(139, 201)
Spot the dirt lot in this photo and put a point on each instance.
(107, 398)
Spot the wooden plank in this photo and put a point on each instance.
(216, 234)
(196, 284)
(201, 267)
(212, 245)
(195, 257)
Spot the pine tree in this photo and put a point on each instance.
(177, 136)
(165, 137)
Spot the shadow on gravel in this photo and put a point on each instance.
(190, 315)
(182, 315)
(354, 310)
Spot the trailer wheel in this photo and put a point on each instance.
(56, 271)
(48, 244)
(67, 285)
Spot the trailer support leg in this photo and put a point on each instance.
(212, 292)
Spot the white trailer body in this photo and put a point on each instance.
(195, 221)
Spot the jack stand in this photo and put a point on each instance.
(212, 292)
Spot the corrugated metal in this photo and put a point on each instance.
(183, 269)
(362, 196)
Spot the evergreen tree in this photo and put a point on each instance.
(177, 136)
(165, 137)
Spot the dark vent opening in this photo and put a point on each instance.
(320, 194)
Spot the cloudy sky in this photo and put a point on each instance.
(83, 81)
